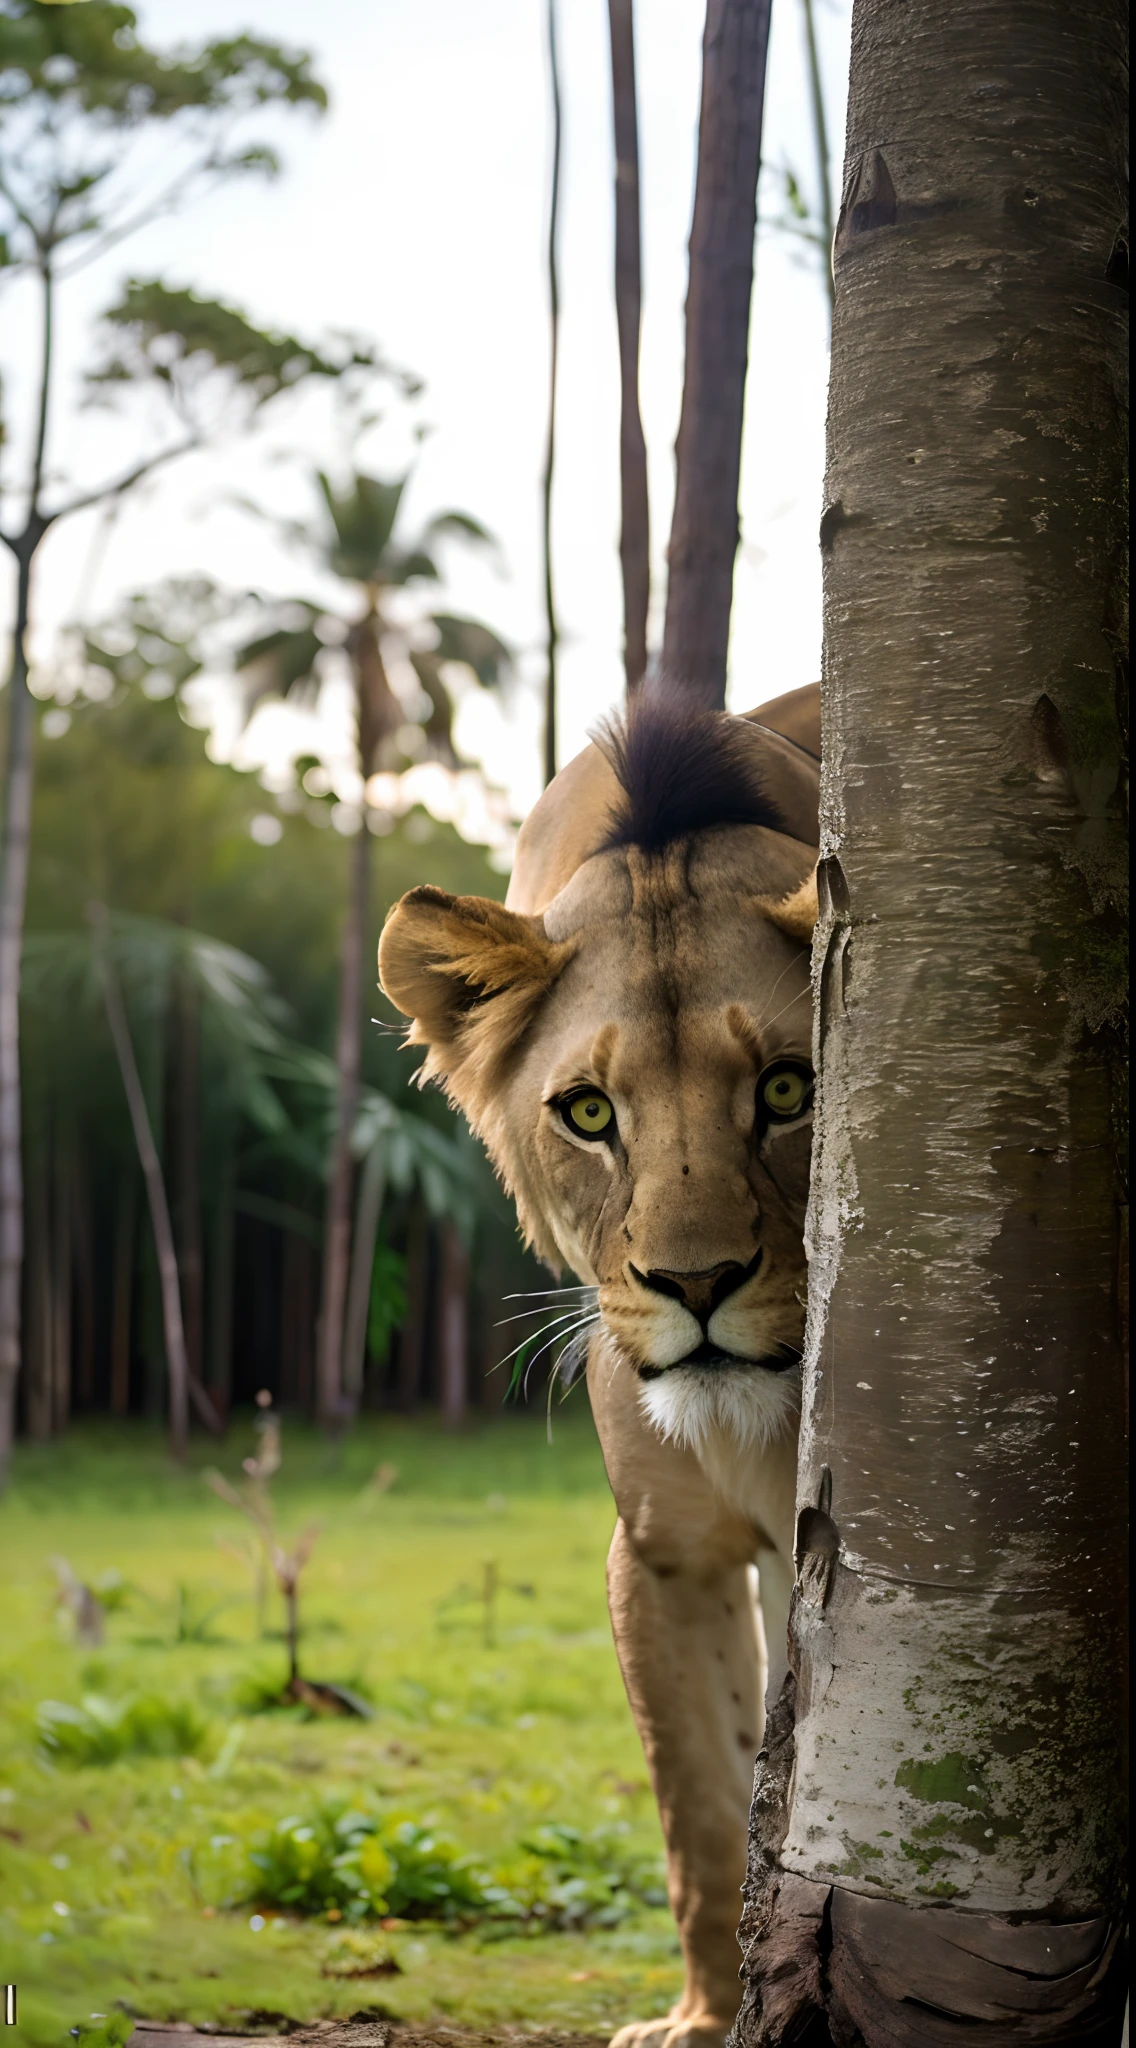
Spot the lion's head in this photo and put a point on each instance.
(636, 1054)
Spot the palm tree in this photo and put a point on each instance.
(355, 540)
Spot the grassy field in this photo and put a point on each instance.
(499, 1770)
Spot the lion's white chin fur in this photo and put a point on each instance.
(697, 1405)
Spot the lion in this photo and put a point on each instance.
(631, 1037)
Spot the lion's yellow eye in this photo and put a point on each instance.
(590, 1114)
(784, 1090)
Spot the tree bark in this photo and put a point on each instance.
(635, 525)
(704, 527)
(453, 1329)
(938, 1821)
(337, 1215)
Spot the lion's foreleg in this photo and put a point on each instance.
(688, 1649)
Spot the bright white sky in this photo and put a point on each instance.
(415, 213)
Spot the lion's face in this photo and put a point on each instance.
(638, 1064)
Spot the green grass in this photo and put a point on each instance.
(149, 1834)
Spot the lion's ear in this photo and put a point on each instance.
(795, 914)
(470, 974)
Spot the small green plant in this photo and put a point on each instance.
(100, 1731)
(353, 1953)
(588, 1880)
(351, 1864)
(103, 2030)
(354, 1865)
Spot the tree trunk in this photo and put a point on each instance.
(177, 1366)
(823, 155)
(367, 1212)
(938, 1820)
(551, 628)
(337, 1215)
(453, 1329)
(704, 528)
(14, 853)
(188, 1151)
(635, 529)
(122, 1296)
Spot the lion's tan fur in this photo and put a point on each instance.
(669, 980)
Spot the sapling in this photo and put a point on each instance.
(286, 1565)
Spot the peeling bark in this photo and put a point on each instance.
(946, 1849)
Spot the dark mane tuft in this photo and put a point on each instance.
(680, 770)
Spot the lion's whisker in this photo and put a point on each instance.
(532, 1335)
(542, 1310)
(584, 1321)
(535, 1293)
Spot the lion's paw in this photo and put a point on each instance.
(671, 2033)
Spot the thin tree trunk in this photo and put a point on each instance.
(939, 1814)
(453, 1329)
(552, 630)
(823, 153)
(704, 528)
(182, 1386)
(188, 1151)
(15, 850)
(337, 1216)
(13, 897)
(368, 1209)
(635, 528)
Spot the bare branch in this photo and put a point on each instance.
(124, 483)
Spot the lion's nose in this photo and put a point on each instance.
(702, 1291)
